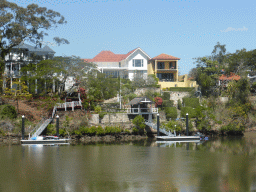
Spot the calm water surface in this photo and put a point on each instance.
(217, 165)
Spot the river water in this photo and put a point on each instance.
(225, 164)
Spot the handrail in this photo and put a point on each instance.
(38, 125)
(142, 110)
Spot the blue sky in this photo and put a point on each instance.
(183, 28)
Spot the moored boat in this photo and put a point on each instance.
(44, 140)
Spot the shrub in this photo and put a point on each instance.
(170, 126)
(232, 129)
(139, 122)
(62, 132)
(9, 111)
(135, 130)
(191, 102)
(171, 112)
(77, 132)
(191, 112)
(112, 130)
(127, 131)
(179, 104)
(97, 109)
(84, 130)
(131, 96)
(167, 103)
(50, 130)
(166, 96)
(203, 125)
(102, 114)
(92, 131)
(100, 131)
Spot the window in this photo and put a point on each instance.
(137, 62)
(172, 65)
(160, 65)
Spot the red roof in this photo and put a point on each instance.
(108, 56)
(232, 76)
(164, 56)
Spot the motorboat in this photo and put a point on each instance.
(44, 140)
(173, 137)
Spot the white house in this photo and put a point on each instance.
(123, 65)
(20, 56)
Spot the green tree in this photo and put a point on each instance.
(209, 69)
(152, 81)
(19, 24)
(138, 80)
(102, 87)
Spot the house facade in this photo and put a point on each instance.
(20, 56)
(122, 65)
(165, 67)
(224, 80)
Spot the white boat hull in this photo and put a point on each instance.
(44, 141)
(177, 138)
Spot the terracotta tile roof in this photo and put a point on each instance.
(164, 56)
(232, 76)
(108, 56)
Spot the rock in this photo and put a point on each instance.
(6, 126)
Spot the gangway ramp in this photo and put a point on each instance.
(154, 126)
(42, 126)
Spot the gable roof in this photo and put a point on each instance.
(138, 100)
(230, 77)
(109, 56)
(34, 49)
(164, 56)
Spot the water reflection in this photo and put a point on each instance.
(144, 165)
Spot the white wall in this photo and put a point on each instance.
(69, 83)
(137, 55)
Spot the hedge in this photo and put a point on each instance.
(167, 103)
(166, 96)
(171, 112)
(191, 102)
(181, 89)
(191, 112)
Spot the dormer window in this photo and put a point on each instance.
(137, 62)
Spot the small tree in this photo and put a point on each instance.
(18, 92)
(139, 122)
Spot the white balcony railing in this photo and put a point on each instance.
(142, 110)
(72, 104)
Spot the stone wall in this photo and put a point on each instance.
(94, 119)
(115, 118)
(109, 118)
(176, 95)
(142, 91)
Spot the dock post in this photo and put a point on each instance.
(57, 125)
(158, 125)
(23, 126)
(187, 124)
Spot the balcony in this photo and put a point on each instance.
(167, 80)
(13, 74)
(152, 110)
